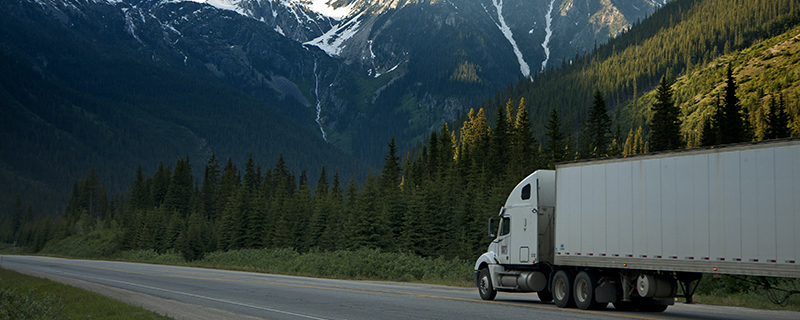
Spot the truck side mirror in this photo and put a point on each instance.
(492, 228)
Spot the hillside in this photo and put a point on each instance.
(109, 84)
(78, 95)
(678, 40)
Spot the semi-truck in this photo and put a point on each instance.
(630, 230)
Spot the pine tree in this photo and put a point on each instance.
(598, 127)
(193, 243)
(251, 177)
(777, 120)
(711, 133)
(554, 147)
(475, 130)
(732, 127)
(391, 171)
(180, 189)
(665, 125)
(524, 156)
(139, 193)
(229, 181)
(392, 207)
(500, 143)
(161, 181)
(209, 190)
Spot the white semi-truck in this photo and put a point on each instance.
(630, 230)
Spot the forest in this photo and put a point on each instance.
(432, 203)
(696, 73)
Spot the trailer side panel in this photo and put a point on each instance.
(734, 209)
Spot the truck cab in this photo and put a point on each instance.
(522, 249)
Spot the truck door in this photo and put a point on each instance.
(504, 239)
(522, 242)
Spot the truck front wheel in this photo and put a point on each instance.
(485, 287)
(562, 289)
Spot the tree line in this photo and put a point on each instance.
(433, 203)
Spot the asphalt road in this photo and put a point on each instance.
(196, 293)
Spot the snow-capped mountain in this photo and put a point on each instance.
(360, 71)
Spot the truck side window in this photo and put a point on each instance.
(526, 192)
(505, 228)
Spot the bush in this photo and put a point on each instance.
(17, 305)
(370, 264)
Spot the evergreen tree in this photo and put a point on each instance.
(524, 157)
(251, 177)
(193, 243)
(369, 229)
(665, 125)
(180, 189)
(392, 207)
(391, 171)
(500, 143)
(161, 181)
(732, 127)
(475, 130)
(554, 147)
(711, 133)
(140, 193)
(209, 190)
(777, 120)
(598, 127)
(229, 181)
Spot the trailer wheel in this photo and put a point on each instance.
(585, 284)
(485, 287)
(562, 289)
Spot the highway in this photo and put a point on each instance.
(197, 293)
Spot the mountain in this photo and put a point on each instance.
(691, 42)
(109, 84)
(81, 93)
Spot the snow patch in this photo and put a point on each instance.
(324, 8)
(501, 24)
(548, 32)
(332, 42)
(319, 104)
(231, 5)
(279, 30)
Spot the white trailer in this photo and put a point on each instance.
(627, 230)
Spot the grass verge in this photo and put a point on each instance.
(362, 264)
(27, 297)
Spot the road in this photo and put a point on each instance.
(196, 293)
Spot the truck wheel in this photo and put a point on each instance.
(562, 289)
(485, 287)
(585, 284)
(545, 295)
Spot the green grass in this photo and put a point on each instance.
(27, 297)
(362, 264)
(744, 291)
(748, 300)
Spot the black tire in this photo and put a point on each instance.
(585, 284)
(545, 295)
(485, 287)
(561, 289)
